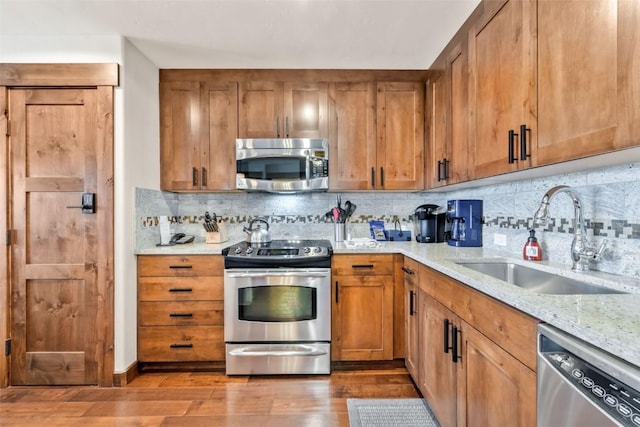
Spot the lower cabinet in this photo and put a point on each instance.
(412, 299)
(180, 308)
(362, 308)
(476, 356)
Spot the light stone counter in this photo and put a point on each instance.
(611, 322)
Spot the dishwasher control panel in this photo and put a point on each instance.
(619, 401)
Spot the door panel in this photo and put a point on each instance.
(54, 150)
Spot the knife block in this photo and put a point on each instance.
(217, 236)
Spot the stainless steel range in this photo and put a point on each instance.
(277, 307)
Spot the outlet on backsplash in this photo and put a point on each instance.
(500, 239)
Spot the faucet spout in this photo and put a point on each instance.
(581, 249)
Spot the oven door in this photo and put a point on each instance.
(277, 305)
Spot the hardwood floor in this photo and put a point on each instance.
(196, 399)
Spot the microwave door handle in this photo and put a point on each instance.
(308, 169)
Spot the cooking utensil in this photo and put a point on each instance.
(350, 208)
(257, 235)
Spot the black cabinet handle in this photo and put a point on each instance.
(440, 164)
(186, 267)
(454, 349)
(446, 346)
(408, 270)
(181, 346)
(181, 290)
(362, 266)
(381, 176)
(373, 177)
(336, 291)
(194, 177)
(411, 303)
(512, 156)
(446, 169)
(181, 315)
(523, 142)
(204, 177)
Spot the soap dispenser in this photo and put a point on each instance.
(532, 250)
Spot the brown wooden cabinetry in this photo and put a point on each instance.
(362, 309)
(400, 137)
(352, 140)
(448, 117)
(283, 109)
(180, 308)
(588, 91)
(502, 75)
(475, 355)
(198, 128)
(411, 308)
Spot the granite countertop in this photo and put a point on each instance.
(608, 321)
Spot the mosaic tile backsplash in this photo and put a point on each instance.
(610, 200)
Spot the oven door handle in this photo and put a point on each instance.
(284, 274)
(303, 350)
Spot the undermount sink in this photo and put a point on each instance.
(535, 280)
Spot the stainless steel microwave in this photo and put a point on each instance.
(283, 165)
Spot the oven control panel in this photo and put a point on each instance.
(615, 398)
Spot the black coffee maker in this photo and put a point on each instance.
(429, 223)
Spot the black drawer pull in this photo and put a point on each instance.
(181, 315)
(446, 345)
(454, 350)
(174, 267)
(181, 346)
(362, 266)
(408, 270)
(412, 296)
(181, 290)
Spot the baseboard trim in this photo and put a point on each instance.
(124, 378)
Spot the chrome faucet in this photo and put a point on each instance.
(581, 250)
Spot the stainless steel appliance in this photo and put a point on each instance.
(581, 385)
(277, 307)
(464, 221)
(288, 165)
(429, 223)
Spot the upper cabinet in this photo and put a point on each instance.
(588, 73)
(283, 110)
(400, 137)
(448, 118)
(501, 55)
(198, 128)
(352, 138)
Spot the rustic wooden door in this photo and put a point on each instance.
(58, 326)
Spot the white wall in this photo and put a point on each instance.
(136, 150)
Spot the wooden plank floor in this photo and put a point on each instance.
(196, 399)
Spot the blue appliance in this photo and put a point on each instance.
(464, 220)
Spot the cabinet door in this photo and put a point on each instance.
(362, 318)
(180, 136)
(628, 70)
(352, 152)
(411, 324)
(578, 79)
(437, 116)
(458, 126)
(501, 51)
(437, 381)
(495, 389)
(261, 110)
(220, 105)
(305, 110)
(400, 134)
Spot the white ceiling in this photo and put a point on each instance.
(358, 34)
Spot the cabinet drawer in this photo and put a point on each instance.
(180, 288)
(362, 265)
(181, 344)
(511, 329)
(180, 265)
(191, 313)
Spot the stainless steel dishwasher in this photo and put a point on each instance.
(581, 385)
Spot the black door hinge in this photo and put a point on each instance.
(7, 347)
